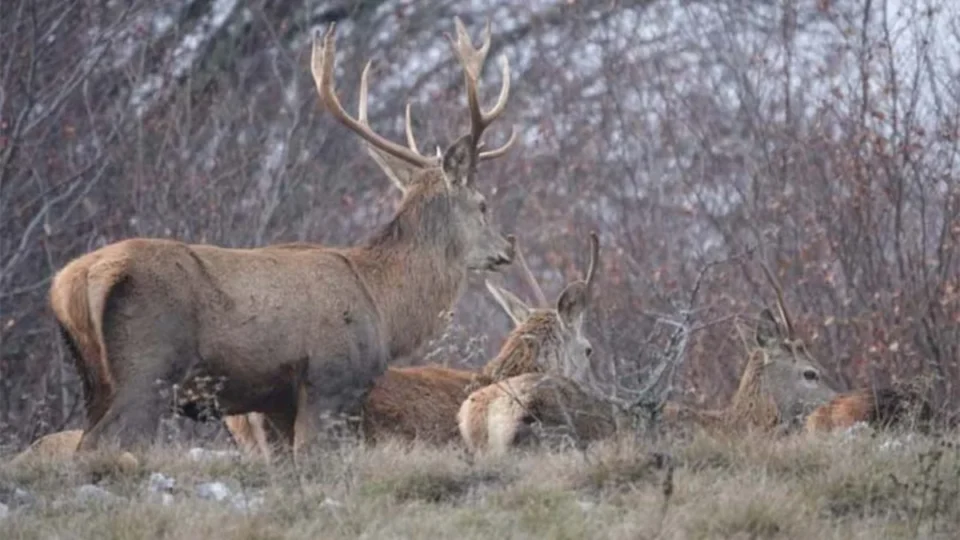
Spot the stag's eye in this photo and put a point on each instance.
(483, 207)
(810, 375)
(588, 351)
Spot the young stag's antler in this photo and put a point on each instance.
(594, 261)
(781, 305)
(472, 60)
(527, 274)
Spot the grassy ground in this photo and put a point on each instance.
(833, 487)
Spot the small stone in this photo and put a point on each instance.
(22, 497)
(216, 491)
(331, 503)
(247, 503)
(159, 483)
(128, 463)
(586, 506)
(90, 492)
(200, 454)
(4, 511)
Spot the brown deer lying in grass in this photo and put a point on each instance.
(780, 382)
(57, 445)
(146, 310)
(881, 408)
(421, 402)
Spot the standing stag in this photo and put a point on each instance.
(780, 384)
(298, 332)
(421, 402)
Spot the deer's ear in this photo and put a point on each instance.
(768, 329)
(572, 303)
(459, 162)
(516, 309)
(398, 171)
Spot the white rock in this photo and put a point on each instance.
(4, 511)
(22, 497)
(247, 503)
(160, 483)
(331, 503)
(201, 454)
(216, 491)
(90, 492)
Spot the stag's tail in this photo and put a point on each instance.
(78, 296)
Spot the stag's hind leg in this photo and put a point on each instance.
(150, 347)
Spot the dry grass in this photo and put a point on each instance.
(826, 487)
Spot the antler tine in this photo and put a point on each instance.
(322, 67)
(594, 258)
(472, 60)
(527, 274)
(490, 154)
(408, 128)
(781, 305)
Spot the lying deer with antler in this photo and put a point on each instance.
(421, 402)
(780, 382)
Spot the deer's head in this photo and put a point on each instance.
(558, 328)
(440, 189)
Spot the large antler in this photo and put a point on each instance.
(472, 60)
(322, 66)
(781, 305)
(527, 274)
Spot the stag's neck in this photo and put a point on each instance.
(415, 269)
(416, 300)
(751, 405)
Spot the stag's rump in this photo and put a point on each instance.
(256, 319)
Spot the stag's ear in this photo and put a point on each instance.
(516, 309)
(460, 162)
(768, 329)
(573, 302)
(398, 171)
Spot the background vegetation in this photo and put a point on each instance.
(685, 132)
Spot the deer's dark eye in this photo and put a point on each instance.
(810, 375)
(483, 207)
(588, 351)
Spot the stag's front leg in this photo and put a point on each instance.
(330, 400)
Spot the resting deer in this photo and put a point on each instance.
(881, 408)
(299, 331)
(421, 402)
(780, 382)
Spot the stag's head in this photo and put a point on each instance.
(557, 330)
(791, 376)
(443, 186)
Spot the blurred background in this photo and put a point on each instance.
(686, 133)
